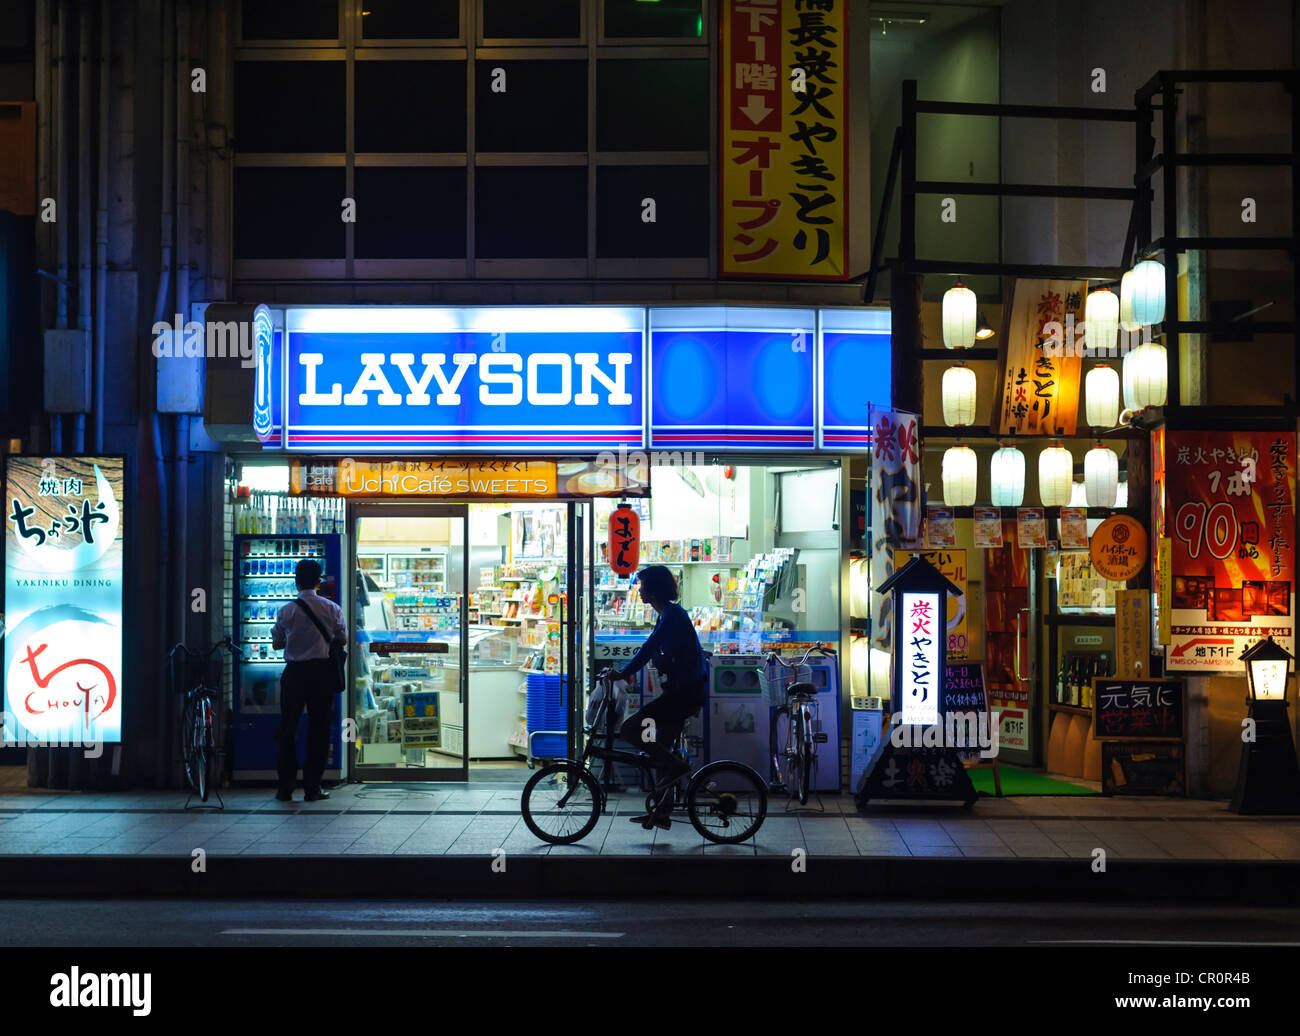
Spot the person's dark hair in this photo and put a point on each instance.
(307, 574)
(659, 581)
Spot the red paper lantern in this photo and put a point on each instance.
(624, 540)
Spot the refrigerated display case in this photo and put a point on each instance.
(263, 583)
(422, 569)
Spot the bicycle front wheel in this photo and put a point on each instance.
(727, 802)
(561, 803)
(803, 756)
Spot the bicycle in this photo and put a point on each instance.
(726, 801)
(198, 737)
(794, 697)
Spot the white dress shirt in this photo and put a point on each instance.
(298, 635)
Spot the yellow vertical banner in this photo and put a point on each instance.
(1133, 634)
(784, 154)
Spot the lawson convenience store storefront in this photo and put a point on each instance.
(457, 467)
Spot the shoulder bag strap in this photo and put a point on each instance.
(314, 621)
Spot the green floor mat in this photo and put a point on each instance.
(1016, 781)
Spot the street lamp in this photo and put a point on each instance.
(1268, 780)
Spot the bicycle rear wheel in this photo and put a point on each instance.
(561, 803)
(199, 747)
(727, 802)
(803, 755)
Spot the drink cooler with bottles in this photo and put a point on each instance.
(258, 596)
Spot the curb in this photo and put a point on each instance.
(1269, 882)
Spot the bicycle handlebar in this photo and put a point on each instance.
(824, 649)
(224, 642)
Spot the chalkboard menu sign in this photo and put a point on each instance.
(1143, 768)
(964, 694)
(1146, 710)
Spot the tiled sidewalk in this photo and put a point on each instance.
(476, 819)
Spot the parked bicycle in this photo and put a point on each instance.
(789, 687)
(198, 728)
(726, 801)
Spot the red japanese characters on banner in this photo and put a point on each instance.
(624, 540)
(1231, 517)
(783, 157)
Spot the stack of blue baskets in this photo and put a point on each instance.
(548, 701)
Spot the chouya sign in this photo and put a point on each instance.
(63, 600)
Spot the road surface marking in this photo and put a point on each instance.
(449, 933)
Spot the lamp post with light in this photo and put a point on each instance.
(1268, 780)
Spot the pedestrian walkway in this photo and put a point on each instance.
(475, 820)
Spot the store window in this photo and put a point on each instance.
(681, 208)
(528, 19)
(531, 212)
(285, 107)
(290, 20)
(668, 19)
(537, 106)
(406, 106)
(430, 222)
(277, 212)
(410, 19)
(652, 105)
(755, 550)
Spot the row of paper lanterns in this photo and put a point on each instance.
(1141, 302)
(1007, 475)
(1145, 383)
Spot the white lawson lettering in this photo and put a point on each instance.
(95, 989)
(505, 379)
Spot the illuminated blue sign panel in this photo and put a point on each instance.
(544, 380)
(733, 389)
(856, 371)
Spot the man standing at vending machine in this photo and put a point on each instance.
(304, 629)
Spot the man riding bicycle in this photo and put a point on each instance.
(675, 650)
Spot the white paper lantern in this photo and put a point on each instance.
(859, 665)
(1100, 322)
(1126, 285)
(1101, 476)
(960, 470)
(958, 396)
(959, 317)
(1055, 476)
(1149, 292)
(1146, 376)
(1007, 473)
(859, 588)
(1101, 396)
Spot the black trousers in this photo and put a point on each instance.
(306, 685)
(669, 713)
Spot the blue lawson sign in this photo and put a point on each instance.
(856, 373)
(571, 379)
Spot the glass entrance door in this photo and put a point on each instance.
(412, 643)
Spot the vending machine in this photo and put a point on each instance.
(264, 583)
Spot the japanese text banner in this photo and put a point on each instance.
(1231, 519)
(1040, 387)
(784, 155)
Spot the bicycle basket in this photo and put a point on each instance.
(188, 671)
(774, 679)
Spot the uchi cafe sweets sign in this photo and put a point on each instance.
(1231, 518)
(63, 600)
